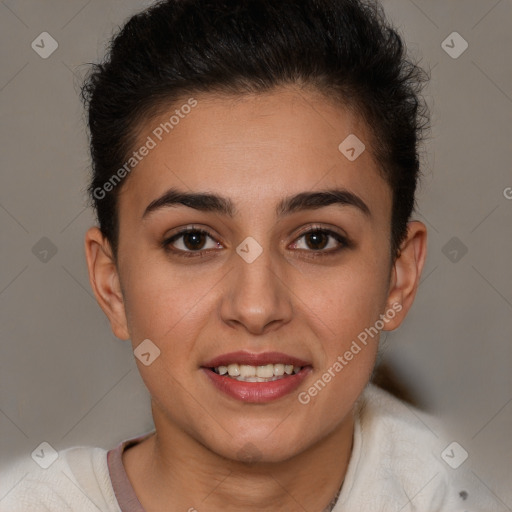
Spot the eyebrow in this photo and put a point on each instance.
(215, 203)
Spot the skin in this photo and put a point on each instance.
(255, 150)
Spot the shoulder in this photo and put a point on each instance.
(392, 427)
(396, 460)
(77, 480)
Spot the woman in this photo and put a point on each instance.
(254, 170)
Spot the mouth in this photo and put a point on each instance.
(263, 373)
(256, 378)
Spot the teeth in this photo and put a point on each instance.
(248, 373)
(265, 371)
(233, 370)
(279, 369)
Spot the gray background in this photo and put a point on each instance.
(65, 379)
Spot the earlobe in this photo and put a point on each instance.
(104, 279)
(406, 272)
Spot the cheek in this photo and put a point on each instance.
(160, 299)
(345, 310)
(346, 299)
(170, 309)
(345, 307)
(349, 340)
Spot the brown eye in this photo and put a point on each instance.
(321, 241)
(190, 241)
(194, 240)
(317, 240)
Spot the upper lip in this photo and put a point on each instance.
(252, 359)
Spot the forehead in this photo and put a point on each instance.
(256, 148)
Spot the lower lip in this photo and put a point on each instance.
(257, 392)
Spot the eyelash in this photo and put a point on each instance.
(343, 241)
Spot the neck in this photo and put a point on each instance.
(172, 471)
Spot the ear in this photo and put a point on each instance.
(406, 273)
(104, 279)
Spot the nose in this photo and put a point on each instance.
(257, 298)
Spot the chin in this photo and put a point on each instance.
(259, 449)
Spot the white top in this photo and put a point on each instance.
(396, 465)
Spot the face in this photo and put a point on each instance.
(281, 257)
